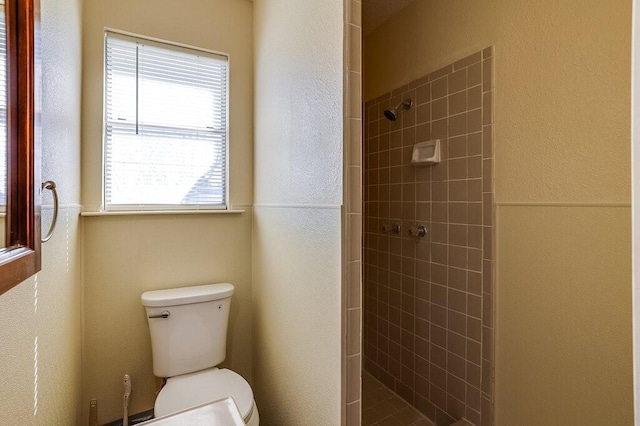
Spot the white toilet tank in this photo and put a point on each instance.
(188, 327)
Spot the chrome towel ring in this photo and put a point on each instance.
(51, 186)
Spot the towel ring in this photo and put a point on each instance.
(51, 186)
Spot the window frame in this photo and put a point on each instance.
(5, 189)
(181, 47)
(21, 257)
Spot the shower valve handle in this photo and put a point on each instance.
(393, 228)
(418, 231)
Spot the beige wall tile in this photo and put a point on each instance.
(423, 94)
(474, 143)
(355, 12)
(457, 124)
(354, 293)
(487, 108)
(469, 60)
(457, 146)
(439, 88)
(355, 48)
(452, 252)
(487, 80)
(458, 168)
(458, 235)
(457, 102)
(447, 69)
(457, 81)
(474, 74)
(439, 108)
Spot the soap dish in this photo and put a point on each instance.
(426, 153)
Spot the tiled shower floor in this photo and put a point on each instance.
(381, 407)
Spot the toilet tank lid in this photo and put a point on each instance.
(187, 295)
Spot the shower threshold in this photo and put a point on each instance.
(382, 407)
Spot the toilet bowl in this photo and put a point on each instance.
(190, 390)
(188, 329)
(220, 412)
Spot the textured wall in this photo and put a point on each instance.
(296, 228)
(636, 203)
(564, 314)
(564, 94)
(298, 102)
(565, 69)
(296, 292)
(219, 25)
(125, 256)
(40, 355)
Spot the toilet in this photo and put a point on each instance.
(188, 328)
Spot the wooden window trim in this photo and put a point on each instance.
(20, 258)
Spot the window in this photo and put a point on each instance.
(20, 256)
(165, 132)
(3, 108)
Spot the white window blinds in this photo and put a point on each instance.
(165, 141)
(3, 107)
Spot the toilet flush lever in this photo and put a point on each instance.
(164, 314)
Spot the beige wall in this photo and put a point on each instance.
(298, 96)
(296, 228)
(40, 354)
(563, 87)
(564, 338)
(562, 108)
(125, 256)
(220, 25)
(635, 138)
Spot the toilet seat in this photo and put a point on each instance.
(190, 390)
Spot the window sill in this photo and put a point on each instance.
(158, 212)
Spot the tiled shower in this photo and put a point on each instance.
(428, 301)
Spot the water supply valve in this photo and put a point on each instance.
(391, 229)
(419, 231)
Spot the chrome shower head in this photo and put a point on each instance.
(393, 113)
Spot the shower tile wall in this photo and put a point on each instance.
(428, 302)
(352, 218)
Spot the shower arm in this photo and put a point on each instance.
(406, 104)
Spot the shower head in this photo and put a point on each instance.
(393, 113)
